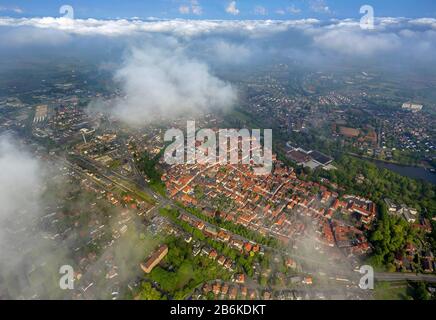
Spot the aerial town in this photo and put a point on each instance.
(279, 236)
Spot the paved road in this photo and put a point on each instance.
(401, 276)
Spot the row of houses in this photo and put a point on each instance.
(224, 290)
(222, 235)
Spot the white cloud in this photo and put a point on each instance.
(22, 180)
(162, 82)
(424, 22)
(30, 258)
(179, 27)
(184, 9)
(291, 10)
(260, 10)
(339, 36)
(230, 53)
(12, 9)
(319, 6)
(194, 7)
(354, 42)
(231, 8)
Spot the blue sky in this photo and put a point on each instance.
(218, 9)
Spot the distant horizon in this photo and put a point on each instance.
(218, 9)
(154, 19)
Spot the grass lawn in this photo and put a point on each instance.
(159, 187)
(184, 274)
(391, 291)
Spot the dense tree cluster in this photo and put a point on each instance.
(147, 292)
(149, 166)
(390, 237)
(381, 183)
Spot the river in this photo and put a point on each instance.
(408, 171)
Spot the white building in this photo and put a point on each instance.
(412, 107)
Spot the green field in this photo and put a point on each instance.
(391, 291)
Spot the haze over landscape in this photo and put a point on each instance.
(88, 92)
